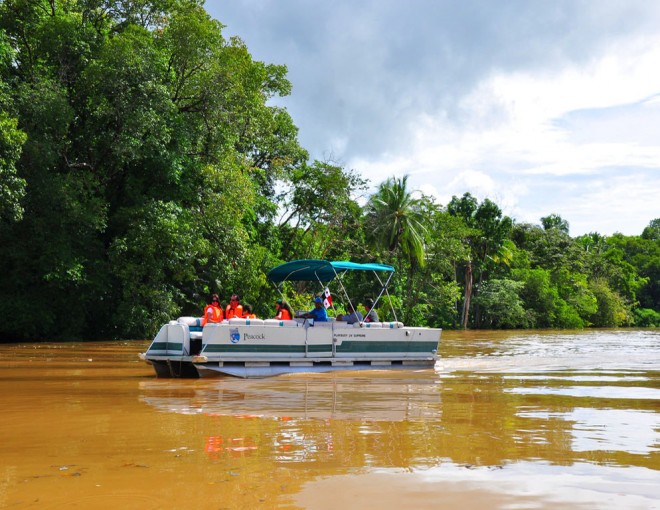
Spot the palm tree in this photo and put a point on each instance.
(394, 221)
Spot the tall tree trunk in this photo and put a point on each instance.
(477, 308)
(468, 295)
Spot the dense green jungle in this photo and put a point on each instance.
(143, 167)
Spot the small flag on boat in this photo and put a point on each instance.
(327, 301)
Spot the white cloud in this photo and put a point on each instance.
(542, 107)
(515, 139)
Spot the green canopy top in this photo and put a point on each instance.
(319, 270)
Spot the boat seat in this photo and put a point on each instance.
(216, 324)
(371, 325)
(195, 335)
(325, 324)
(247, 322)
(190, 321)
(342, 325)
(392, 325)
(280, 324)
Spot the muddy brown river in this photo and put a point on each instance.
(506, 420)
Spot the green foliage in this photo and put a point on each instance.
(394, 225)
(394, 221)
(552, 248)
(543, 302)
(12, 187)
(321, 216)
(501, 306)
(575, 290)
(621, 275)
(612, 311)
(390, 308)
(437, 291)
(487, 237)
(555, 221)
(434, 302)
(154, 260)
(149, 159)
(567, 317)
(142, 167)
(647, 318)
(652, 232)
(637, 274)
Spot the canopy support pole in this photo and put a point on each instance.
(384, 289)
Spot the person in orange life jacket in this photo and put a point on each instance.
(213, 311)
(283, 310)
(234, 309)
(247, 312)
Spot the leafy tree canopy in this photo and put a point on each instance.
(143, 166)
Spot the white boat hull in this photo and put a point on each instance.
(257, 348)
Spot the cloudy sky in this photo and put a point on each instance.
(543, 106)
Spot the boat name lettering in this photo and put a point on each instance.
(248, 336)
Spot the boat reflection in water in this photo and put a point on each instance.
(301, 418)
(317, 418)
(319, 397)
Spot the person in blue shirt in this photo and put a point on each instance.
(352, 317)
(318, 313)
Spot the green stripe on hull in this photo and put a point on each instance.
(253, 349)
(166, 346)
(346, 347)
(319, 348)
(351, 347)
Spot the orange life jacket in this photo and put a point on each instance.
(213, 314)
(249, 316)
(283, 315)
(234, 313)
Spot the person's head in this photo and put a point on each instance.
(233, 301)
(278, 303)
(215, 300)
(318, 302)
(247, 308)
(368, 303)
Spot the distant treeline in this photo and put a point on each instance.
(142, 169)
